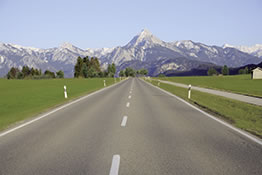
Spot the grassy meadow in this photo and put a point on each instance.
(242, 84)
(21, 99)
(242, 115)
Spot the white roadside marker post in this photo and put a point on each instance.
(65, 92)
(189, 91)
(158, 82)
(104, 83)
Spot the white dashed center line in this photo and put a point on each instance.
(123, 124)
(115, 165)
(129, 96)
(128, 104)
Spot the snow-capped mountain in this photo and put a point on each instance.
(144, 50)
(144, 39)
(255, 50)
(214, 54)
(62, 57)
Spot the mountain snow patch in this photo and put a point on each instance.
(170, 66)
(192, 54)
(1, 59)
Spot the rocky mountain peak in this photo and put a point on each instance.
(145, 37)
(145, 33)
(67, 45)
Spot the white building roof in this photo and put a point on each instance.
(258, 68)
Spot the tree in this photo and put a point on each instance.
(38, 72)
(26, 71)
(12, 74)
(78, 67)
(143, 71)
(91, 72)
(32, 71)
(113, 69)
(127, 71)
(109, 70)
(8, 75)
(85, 70)
(101, 74)
(246, 70)
(60, 74)
(211, 71)
(122, 73)
(225, 70)
(161, 75)
(97, 65)
(20, 75)
(241, 71)
(49, 74)
(130, 72)
(86, 59)
(104, 74)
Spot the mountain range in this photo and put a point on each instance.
(255, 50)
(143, 51)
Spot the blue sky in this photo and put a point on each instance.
(110, 23)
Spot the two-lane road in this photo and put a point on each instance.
(144, 131)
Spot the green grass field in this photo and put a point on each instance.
(242, 115)
(22, 99)
(241, 84)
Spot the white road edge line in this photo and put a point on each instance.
(123, 123)
(212, 117)
(128, 104)
(115, 165)
(55, 110)
(129, 96)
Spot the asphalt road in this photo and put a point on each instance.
(239, 97)
(132, 128)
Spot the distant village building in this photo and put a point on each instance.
(256, 73)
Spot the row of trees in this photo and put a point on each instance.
(32, 73)
(132, 72)
(90, 68)
(225, 71)
(244, 71)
